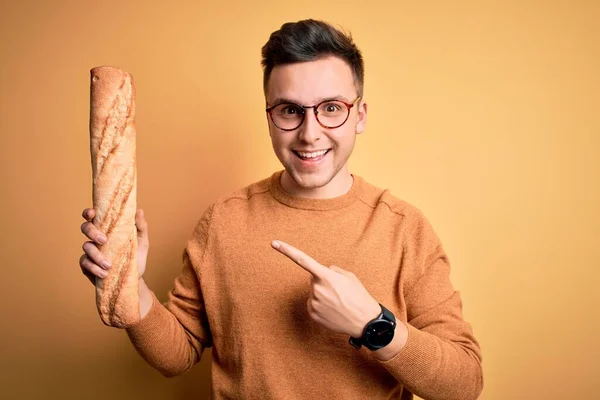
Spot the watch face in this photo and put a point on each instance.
(379, 333)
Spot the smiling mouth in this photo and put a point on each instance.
(313, 155)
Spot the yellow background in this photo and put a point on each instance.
(484, 114)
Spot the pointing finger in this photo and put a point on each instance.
(300, 258)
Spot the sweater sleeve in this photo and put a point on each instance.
(441, 358)
(173, 335)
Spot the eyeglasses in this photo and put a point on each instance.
(330, 114)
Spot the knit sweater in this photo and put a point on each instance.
(246, 302)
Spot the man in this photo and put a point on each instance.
(310, 283)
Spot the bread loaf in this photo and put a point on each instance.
(113, 147)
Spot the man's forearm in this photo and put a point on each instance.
(160, 338)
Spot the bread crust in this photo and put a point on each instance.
(114, 173)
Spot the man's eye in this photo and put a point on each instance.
(290, 110)
(331, 108)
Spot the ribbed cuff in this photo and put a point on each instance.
(416, 360)
(149, 327)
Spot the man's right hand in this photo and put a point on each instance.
(92, 262)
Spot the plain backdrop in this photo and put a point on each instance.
(484, 114)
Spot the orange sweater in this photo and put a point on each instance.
(248, 302)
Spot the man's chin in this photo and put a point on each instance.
(312, 181)
(308, 181)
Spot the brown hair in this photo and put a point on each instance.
(309, 40)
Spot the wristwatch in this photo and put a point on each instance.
(378, 333)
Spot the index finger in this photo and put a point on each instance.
(302, 259)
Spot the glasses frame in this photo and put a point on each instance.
(315, 107)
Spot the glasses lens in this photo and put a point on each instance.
(332, 113)
(287, 116)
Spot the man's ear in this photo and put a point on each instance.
(361, 120)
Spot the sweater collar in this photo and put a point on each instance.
(313, 204)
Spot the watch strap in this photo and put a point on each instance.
(387, 314)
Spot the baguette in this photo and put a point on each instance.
(114, 173)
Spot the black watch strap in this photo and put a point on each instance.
(387, 314)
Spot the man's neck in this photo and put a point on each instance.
(338, 186)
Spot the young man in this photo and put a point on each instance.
(311, 283)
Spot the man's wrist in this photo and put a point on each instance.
(396, 345)
(145, 297)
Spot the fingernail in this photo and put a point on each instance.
(275, 244)
(106, 264)
(102, 239)
(102, 274)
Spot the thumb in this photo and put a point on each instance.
(141, 225)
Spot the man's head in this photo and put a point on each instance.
(310, 63)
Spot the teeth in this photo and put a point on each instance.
(312, 155)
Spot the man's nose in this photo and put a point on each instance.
(310, 130)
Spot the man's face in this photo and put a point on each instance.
(301, 150)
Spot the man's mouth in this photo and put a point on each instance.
(312, 155)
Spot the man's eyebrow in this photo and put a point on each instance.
(281, 100)
(334, 98)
